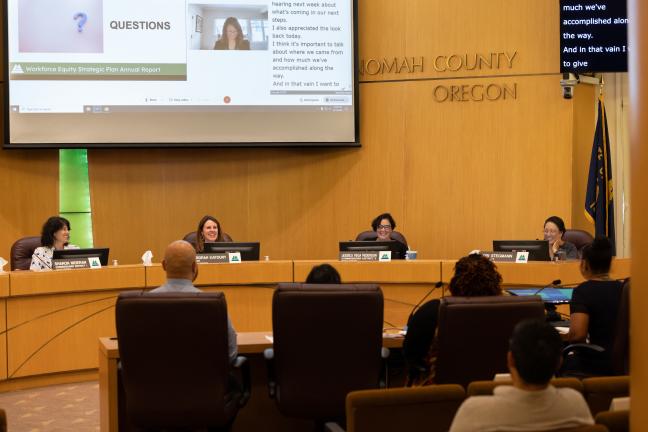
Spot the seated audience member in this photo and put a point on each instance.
(232, 37)
(594, 307)
(54, 236)
(531, 403)
(554, 229)
(181, 269)
(475, 276)
(209, 231)
(323, 274)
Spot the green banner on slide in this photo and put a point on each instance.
(31, 68)
(74, 195)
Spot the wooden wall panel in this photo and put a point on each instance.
(389, 28)
(585, 103)
(57, 333)
(3, 339)
(29, 185)
(638, 68)
(480, 171)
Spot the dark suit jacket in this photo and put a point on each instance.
(221, 44)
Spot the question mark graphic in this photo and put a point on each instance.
(82, 20)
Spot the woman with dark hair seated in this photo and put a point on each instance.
(384, 226)
(323, 274)
(594, 308)
(554, 229)
(475, 276)
(54, 236)
(209, 231)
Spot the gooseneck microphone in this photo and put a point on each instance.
(553, 284)
(436, 285)
(552, 313)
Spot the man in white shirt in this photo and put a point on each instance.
(531, 404)
(181, 270)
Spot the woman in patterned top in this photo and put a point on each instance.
(55, 235)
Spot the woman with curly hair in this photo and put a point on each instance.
(475, 276)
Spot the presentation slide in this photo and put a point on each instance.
(171, 72)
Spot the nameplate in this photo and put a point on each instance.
(365, 256)
(499, 256)
(219, 258)
(211, 258)
(516, 257)
(77, 263)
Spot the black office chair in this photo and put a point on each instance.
(327, 342)
(579, 238)
(175, 365)
(372, 235)
(191, 238)
(22, 251)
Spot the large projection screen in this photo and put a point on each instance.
(155, 73)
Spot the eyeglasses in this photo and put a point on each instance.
(385, 227)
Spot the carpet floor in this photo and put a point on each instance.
(59, 408)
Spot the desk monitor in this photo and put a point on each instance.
(549, 294)
(397, 248)
(102, 253)
(538, 249)
(249, 251)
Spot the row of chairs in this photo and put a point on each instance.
(326, 337)
(432, 408)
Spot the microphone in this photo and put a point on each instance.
(436, 285)
(553, 284)
(552, 313)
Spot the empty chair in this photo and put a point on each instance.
(592, 428)
(425, 409)
(615, 421)
(473, 335)
(599, 391)
(22, 251)
(578, 237)
(479, 388)
(175, 361)
(327, 343)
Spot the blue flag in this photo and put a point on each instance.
(599, 205)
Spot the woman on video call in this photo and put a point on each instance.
(232, 37)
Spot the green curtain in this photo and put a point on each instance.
(74, 195)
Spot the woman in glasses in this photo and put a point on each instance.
(554, 229)
(383, 227)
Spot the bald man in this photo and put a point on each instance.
(181, 269)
